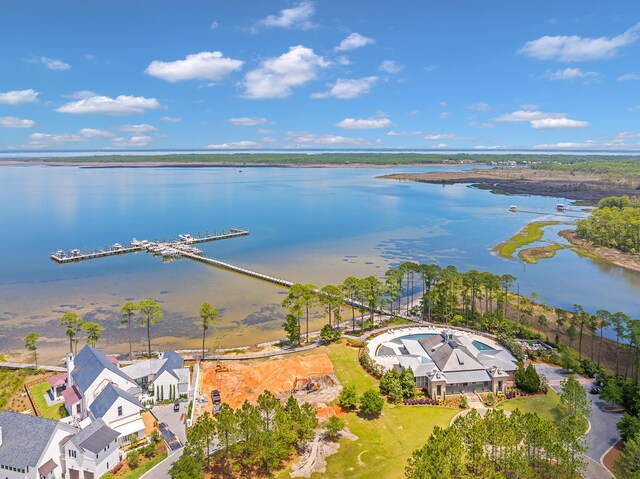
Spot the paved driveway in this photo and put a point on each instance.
(174, 420)
(603, 433)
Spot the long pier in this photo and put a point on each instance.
(163, 248)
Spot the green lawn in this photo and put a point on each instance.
(136, 473)
(531, 233)
(545, 405)
(384, 444)
(37, 394)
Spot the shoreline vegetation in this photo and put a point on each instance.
(530, 233)
(619, 258)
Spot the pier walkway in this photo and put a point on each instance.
(44, 367)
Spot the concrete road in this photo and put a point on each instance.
(161, 471)
(603, 433)
(175, 420)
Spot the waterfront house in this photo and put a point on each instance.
(162, 378)
(91, 452)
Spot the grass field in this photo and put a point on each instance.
(533, 255)
(10, 381)
(37, 394)
(531, 233)
(136, 473)
(545, 405)
(384, 444)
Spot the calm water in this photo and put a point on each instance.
(308, 225)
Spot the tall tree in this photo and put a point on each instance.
(542, 322)
(150, 314)
(507, 281)
(604, 321)
(350, 289)
(73, 324)
(209, 316)
(128, 312)
(430, 274)
(574, 398)
(200, 436)
(580, 316)
(94, 332)
(30, 343)
(619, 321)
(331, 298)
(300, 297)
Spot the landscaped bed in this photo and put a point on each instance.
(55, 411)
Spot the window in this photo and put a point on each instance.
(119, 410)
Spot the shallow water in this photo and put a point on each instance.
(314, 225)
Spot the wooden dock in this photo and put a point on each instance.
(176, 246)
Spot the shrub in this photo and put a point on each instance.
(390, 385)
(408, 382)
(348, 398)
(149, 450)
(329, 334)
(490, 399)
(133, 459)
(108, 475)
(528, 379)
(589, 367)
(371, 403)
(464, 402)
(333, 426)
(370, 365)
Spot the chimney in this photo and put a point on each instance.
(70, 366)
(0, 436)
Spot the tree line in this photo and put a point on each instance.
(614, 224)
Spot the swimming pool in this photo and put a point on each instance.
(482, 346)
(418, 336)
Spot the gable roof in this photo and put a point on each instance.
(173, 361)
(108, 396)
(450, 355)
(95, 437)
(24, 438)
(89, 364)
(155, 366)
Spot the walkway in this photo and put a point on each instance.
(44, 367)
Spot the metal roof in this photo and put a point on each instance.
(47, 467)
(173, 361)
(89, 364)
(24, 438)
(108, 397)
(460, 377)
(95, 437)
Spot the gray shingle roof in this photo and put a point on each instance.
(95, 437)
(24, 438)
(173, 361)
(107, 397)
(89, 363)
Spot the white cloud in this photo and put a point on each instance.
(16, 97)
(432, 68)
(527, 115)
(530, 106)
(569, 74)
(275, 77)
(444, 136)
(353, 41)
(445, 114)
(489, 147)
(214, 25)
(294, 17)
(557, 123)
(391, 67)
(48, 140)
(265, 131)
(440, 145)
(303, 138)
(95, 134)
(13, 122)
(104, 105)
(343, 60)
(246, 121)
(234, 145)
(142, 128)
(364, 123)
(480, 106)
(616, 142)
(81, 94)
(404, 133)
(629, 77)
(625, 135)
(574, 48)
(171, 119)
(346, 89)
(53, 64)
(634, 108)
(197, 66)
(135, 141)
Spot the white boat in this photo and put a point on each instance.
(560, 207)
(186, 237)
(75, 252)
(513, 208)
(117, 247)
(135, 242)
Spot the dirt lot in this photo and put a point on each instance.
(249, 380)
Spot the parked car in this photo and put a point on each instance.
(216, 408)
(595, 390)
(215, 396)
(176, 406)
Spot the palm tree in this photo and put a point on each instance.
(209, 316)
(128, 311)
(151, 313)
(94, 332)
(604, 318)
(30, 343)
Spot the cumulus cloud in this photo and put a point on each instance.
(214, 25)
(234, 145)
(364, 123)
(480, 106)
(527, 115)
(171, 119)
(13, 122)
(95, 134)
(569, 74)
(574, 48)
(445, 114)
(275, 77)
(629, 77)
(444, 136)
(104, 105)
(56, 140)
(16, 97)
(142, 128)
(404, 133)
(557, 123)
(348, 88)
(197, 66)
(135, 141)
(353, 41)
(246, 121)
(294, 17)
(391, 67)
(54, 64)
(305, 139)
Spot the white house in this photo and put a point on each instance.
(120, 410)
(30, 446)
(92, 452)
(164, 378)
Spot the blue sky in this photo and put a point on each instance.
(319, 74)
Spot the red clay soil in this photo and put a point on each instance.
(612, 456)
(247, 381)
(329, 411)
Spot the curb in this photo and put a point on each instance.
(146, 474)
